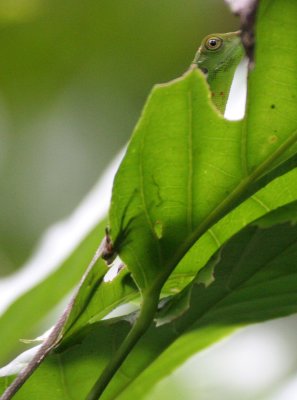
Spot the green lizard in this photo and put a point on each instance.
(218, 57)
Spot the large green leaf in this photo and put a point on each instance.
(186, 167)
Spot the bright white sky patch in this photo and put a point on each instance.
(235, 108)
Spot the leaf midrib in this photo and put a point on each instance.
(190, 165)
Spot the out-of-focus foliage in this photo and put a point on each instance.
(66, 66)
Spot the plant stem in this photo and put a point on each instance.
(144, 320)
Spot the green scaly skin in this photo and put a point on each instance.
(219, 64)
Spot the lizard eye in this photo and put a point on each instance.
(213, 43)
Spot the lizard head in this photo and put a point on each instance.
(217, 52)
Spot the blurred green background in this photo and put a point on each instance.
(74, 76)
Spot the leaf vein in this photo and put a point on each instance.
(190, 164)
